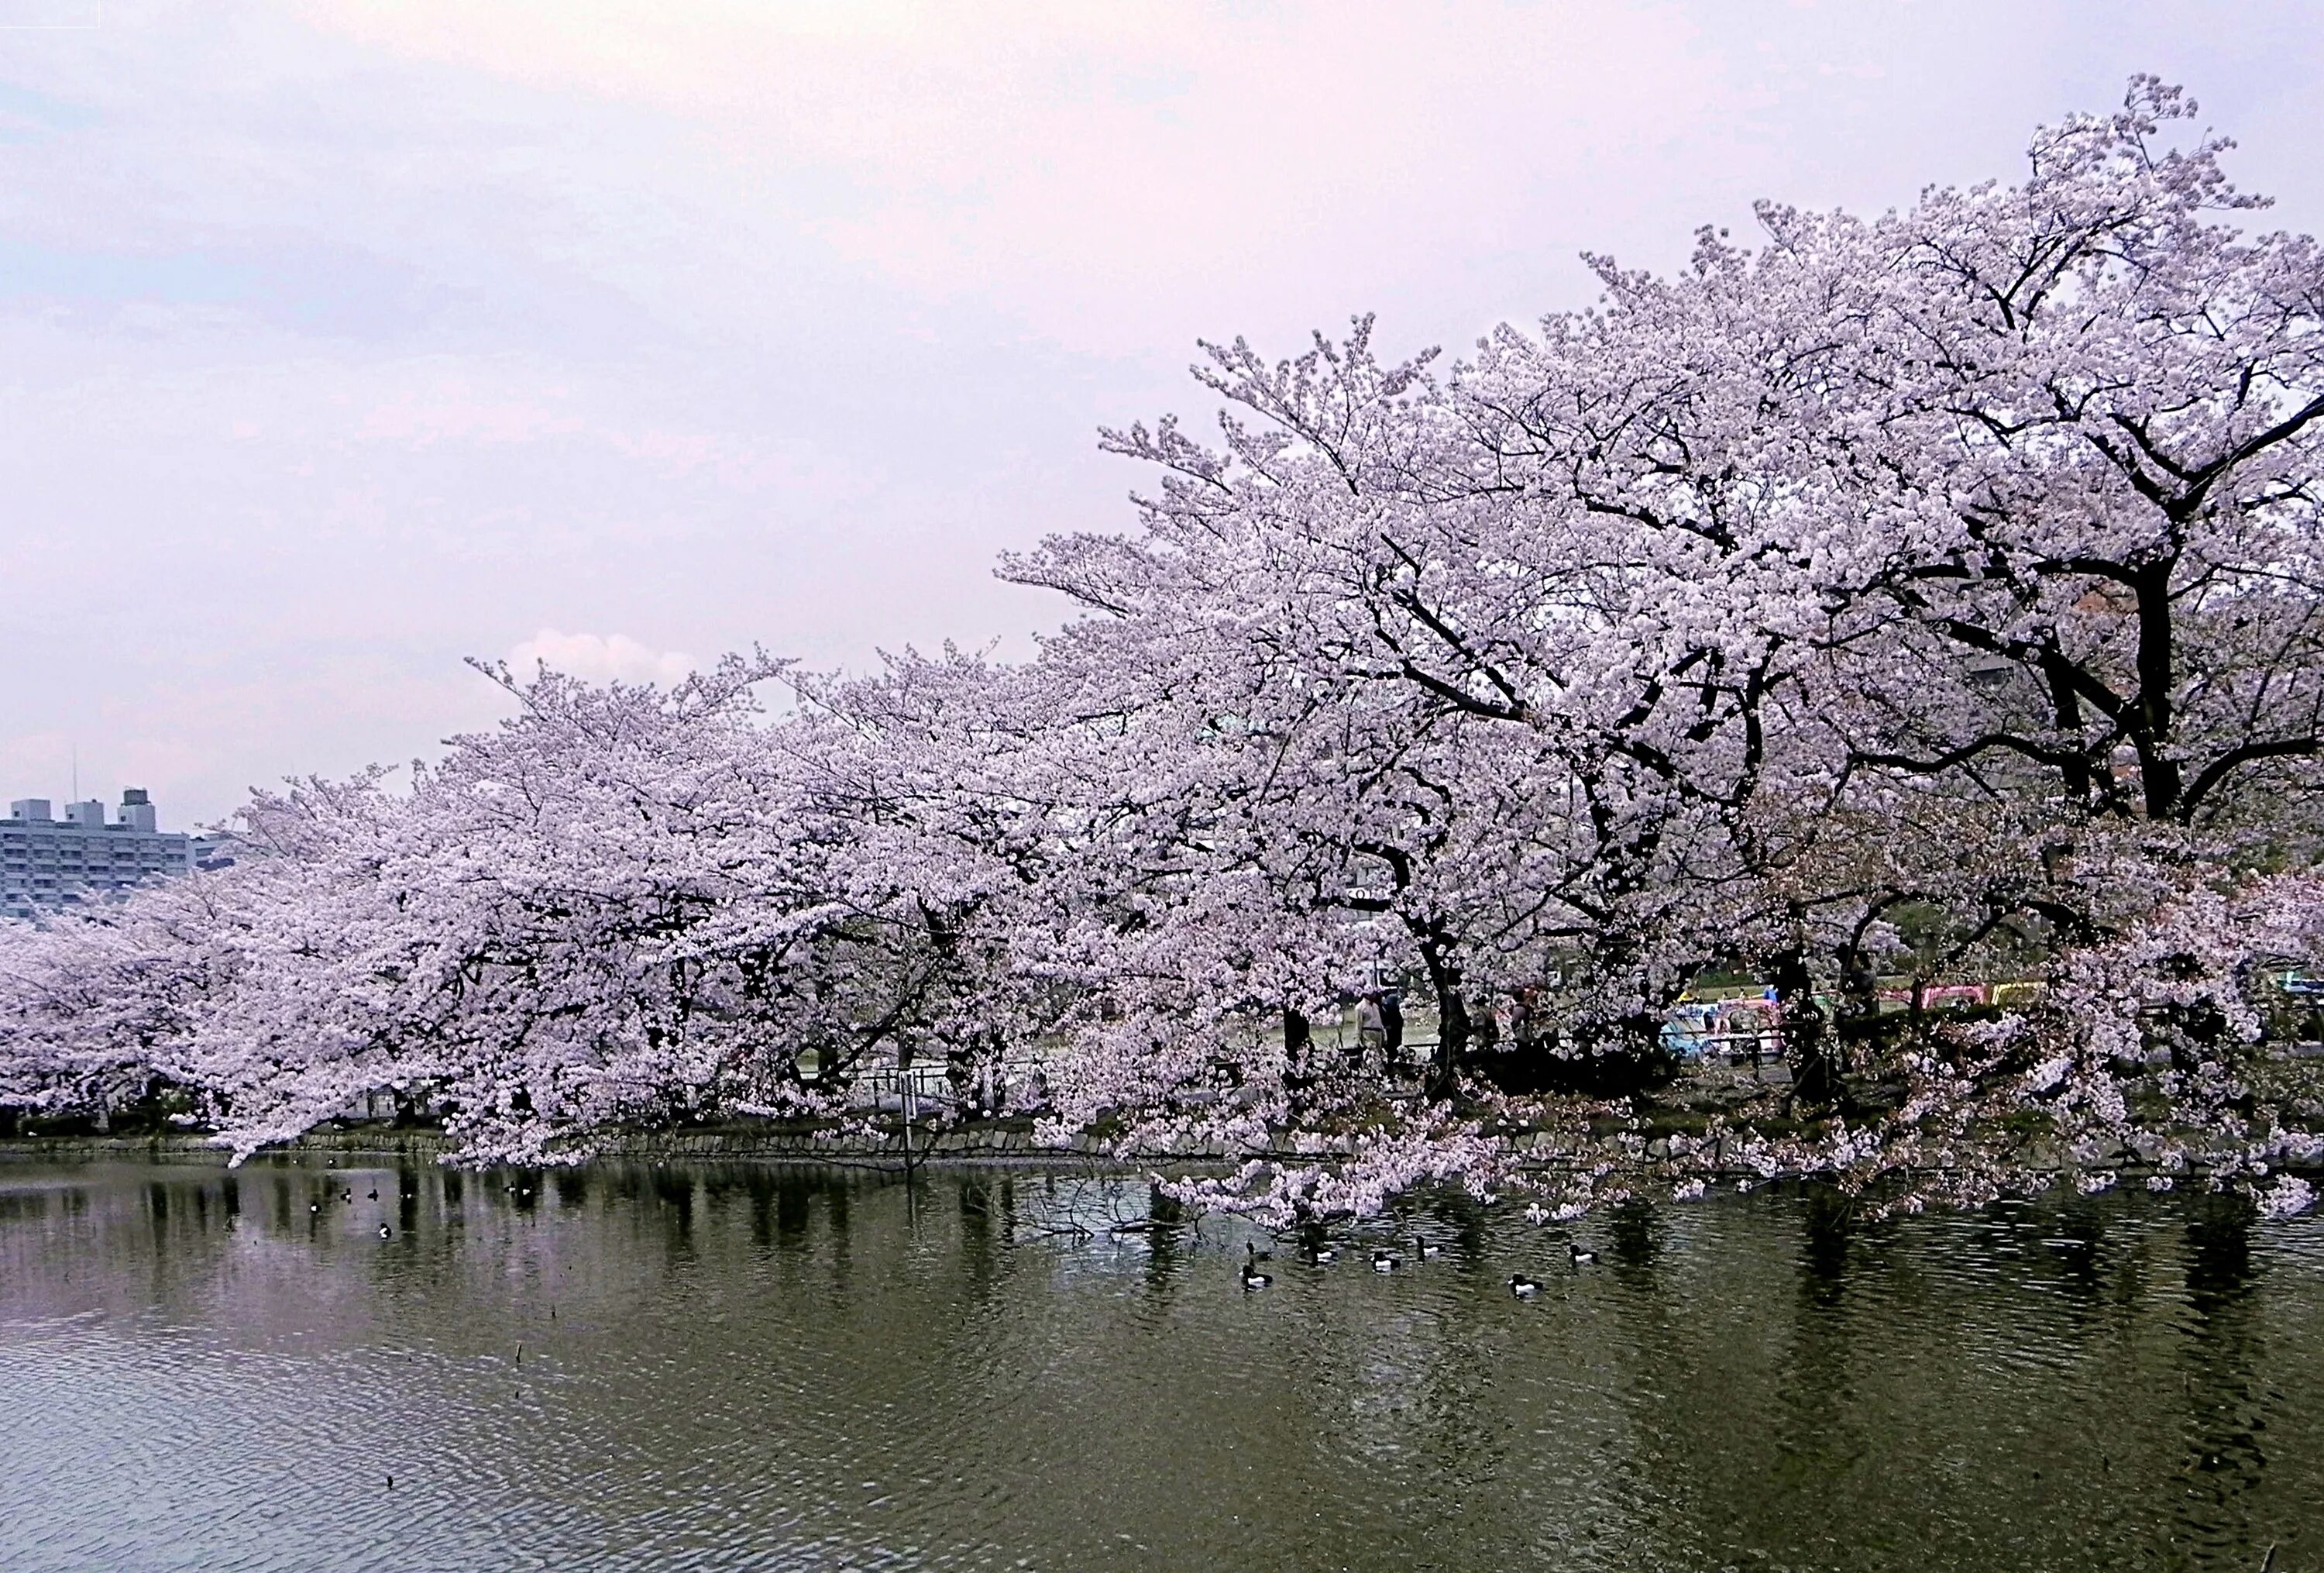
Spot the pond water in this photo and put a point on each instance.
(757, 1368)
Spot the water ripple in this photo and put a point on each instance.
(744, 1369)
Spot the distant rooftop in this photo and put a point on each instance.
(136, 812)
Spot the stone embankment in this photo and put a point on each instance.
(997, 1143)
(1004, 1142)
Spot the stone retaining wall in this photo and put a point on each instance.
(967, 1146)
(999, 1144)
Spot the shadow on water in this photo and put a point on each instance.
(1634, 1237)
(1165, 1235)
(1826, 1230)
(1464, 1217)
(759, 1186)
(672, 1191)
(982, 1245)
(792, 1196)
(2228, 1398)
(572, 1188)
(1817, 1440)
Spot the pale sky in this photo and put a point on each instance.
(340, 341)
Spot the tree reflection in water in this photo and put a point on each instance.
(740, 1366)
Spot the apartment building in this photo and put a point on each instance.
(47, 863)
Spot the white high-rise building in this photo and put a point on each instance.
(46, 863)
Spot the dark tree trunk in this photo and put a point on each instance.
(1859, 1010)
(1453, 1027)
(1818, 1068)
(1298, 1058)
(1453, 1030)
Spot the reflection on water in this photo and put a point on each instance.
(666, 1368)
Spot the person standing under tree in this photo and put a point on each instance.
(1371, 1031)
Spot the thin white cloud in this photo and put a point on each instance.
(606, 657)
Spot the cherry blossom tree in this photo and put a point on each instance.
(1953, 567)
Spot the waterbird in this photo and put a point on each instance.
(386, 1233)
(1252, 1277)
(1319, 1255)
(1423, 1250)
(1581, 1258)
(1524, 1288)
(347, 1195)
(1385, 1260)
(374, 1194)
(314, 1207)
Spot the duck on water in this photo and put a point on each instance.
(1252, 1277)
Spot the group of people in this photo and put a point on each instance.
(1512, 1022)
(1380, 1026)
